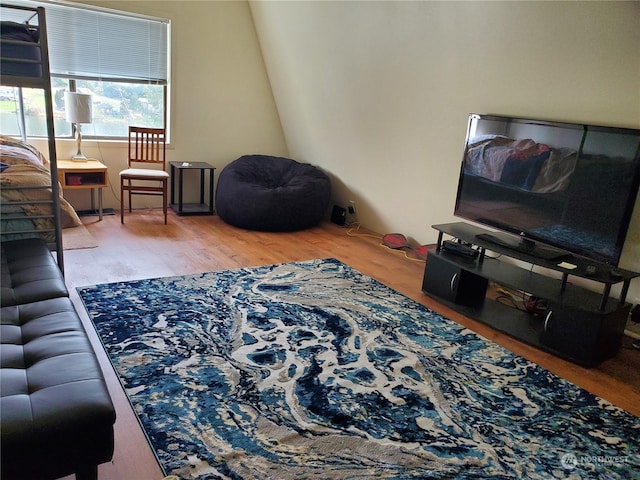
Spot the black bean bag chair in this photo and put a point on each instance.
(273, 194)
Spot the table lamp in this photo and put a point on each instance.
(78, 110)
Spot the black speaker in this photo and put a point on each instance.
(339, 215)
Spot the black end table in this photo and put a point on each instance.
(201, 208)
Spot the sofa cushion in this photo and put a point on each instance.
(29, 273)
(55, 410)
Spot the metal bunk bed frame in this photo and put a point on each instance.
(43, 82)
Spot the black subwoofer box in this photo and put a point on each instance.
(339, 215)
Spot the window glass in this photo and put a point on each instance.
(9, 124)
(116, 105)
(35, 120)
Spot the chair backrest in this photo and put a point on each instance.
(147, 145)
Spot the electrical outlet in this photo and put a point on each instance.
(352, 207)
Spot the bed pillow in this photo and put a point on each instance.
(16, 152)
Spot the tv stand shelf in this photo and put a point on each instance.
(603, 273)
(575, 323)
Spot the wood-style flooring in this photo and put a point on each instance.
(145, 248)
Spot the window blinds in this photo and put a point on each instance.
(92, 43)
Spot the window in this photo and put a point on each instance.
(120, 58)
(116, 105)
(27, 104)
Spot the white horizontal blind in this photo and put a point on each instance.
(86, 42)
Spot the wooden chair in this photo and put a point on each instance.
(146, 146)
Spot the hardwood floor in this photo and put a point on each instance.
(144, 248)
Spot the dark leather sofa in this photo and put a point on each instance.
(56, 415)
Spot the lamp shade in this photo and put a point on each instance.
(78, 107)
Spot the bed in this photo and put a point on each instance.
(20, 50)
(26, 194)
(31, 200)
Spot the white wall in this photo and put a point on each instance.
(378, 93)
(221, 101)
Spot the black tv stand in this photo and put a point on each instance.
(573, 322)
(523, 245)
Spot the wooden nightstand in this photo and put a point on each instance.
(82, 175)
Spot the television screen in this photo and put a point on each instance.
(569, 186)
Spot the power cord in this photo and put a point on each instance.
(354, 228)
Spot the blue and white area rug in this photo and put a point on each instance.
(312, 370)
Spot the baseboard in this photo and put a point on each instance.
(86, 213)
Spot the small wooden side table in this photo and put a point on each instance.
(91, 174)
(201, 208)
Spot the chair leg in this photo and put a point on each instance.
(122, 201)
(164, 199)
(129, 196)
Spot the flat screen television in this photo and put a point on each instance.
(550, 188)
